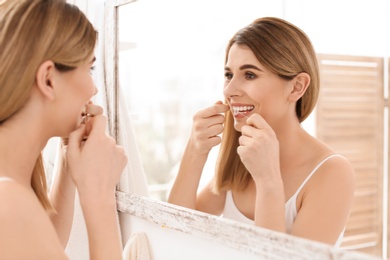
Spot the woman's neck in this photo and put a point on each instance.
(21, 141)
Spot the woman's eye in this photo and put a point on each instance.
(91, 69)
(250, 75)
(228, 75)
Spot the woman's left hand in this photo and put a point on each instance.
(259, 148)
(90, 110)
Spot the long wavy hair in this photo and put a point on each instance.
(31, 32)
(286, 51)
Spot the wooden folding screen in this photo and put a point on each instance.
(387, 104)
(349, 118)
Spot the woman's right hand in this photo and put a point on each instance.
(207, 126)
(95, 164)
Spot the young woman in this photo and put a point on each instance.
(270, 172)
(46, 53)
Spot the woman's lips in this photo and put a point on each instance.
(241, 110)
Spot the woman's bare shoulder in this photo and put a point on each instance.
(339, 165)
(26, 229)
(326, 201)
(335, 177)
(332, 164)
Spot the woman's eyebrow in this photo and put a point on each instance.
(246, 66)
(93, 60)
(249, 66)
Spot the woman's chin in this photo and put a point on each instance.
(238, 126)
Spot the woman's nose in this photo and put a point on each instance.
(231, 88)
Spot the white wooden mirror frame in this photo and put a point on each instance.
(169, 220)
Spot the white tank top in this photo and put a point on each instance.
(231, 211)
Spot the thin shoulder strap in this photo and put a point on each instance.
(5, 178)
(314, 170)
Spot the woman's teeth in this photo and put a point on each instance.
(242, 109)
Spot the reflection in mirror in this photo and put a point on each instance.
(171, 65)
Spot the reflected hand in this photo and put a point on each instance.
(259, 148)
(207, 125)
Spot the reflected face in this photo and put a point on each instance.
(251, 88)
(75, 89)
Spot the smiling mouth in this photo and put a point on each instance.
(243, 110)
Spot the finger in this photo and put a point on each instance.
(221, 108)
(216, 120)
(93, 110)
(217, 108)
(96, 125)
(123, 155)
(244, 140)
(257, 121)
(215, 129)
(205, 124)
(76, 137)
(214, 141)
(241, 152)
(207, 134)
(248, 130)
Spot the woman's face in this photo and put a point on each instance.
(75, 89)
(251, 88)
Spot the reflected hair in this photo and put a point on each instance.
(286, 51)
(32, 32)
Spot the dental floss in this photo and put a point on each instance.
(238, 112)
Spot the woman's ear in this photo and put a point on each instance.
(45, 79)
(300, 84)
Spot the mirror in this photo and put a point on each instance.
(170, 65)
(163, 65)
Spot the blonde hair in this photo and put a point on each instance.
(286, 51)
(31, 32)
